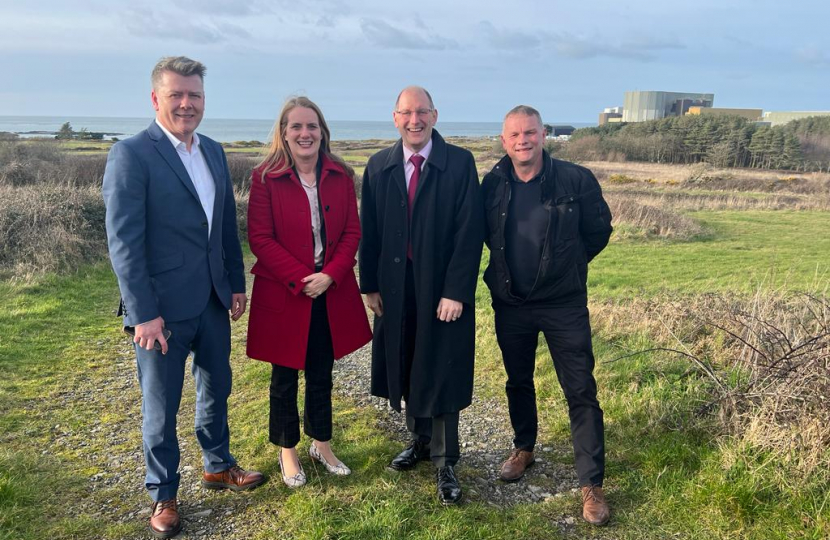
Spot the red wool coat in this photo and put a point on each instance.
(279, 233)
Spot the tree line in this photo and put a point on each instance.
(723, 141)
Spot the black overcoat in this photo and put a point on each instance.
(447, 241)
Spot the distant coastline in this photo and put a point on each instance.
(233, 130)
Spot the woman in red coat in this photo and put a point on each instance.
(306, 308)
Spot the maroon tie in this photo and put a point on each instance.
(416, 160)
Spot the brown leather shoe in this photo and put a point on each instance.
(594, 507)
(236, 479)
(515, 466)
(164, 519)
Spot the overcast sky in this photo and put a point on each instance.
(478, 59)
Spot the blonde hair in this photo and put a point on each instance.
(278, 159)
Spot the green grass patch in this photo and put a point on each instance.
(745, 250)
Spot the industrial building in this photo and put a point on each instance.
(750, 114)
(640, 106)
(559, 130)
(610, 114)
(777, 118)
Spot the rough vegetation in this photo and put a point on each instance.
(802, 145)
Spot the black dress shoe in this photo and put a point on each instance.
(411, 455)
(449, 492)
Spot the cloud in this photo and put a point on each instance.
(145, 23)
(640, 49)
(225, 8)
(506, 39)
(813, 56)
(384, 34)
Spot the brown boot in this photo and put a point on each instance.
(515, 466)
(594, 506)
(164, 519)
(236, 479)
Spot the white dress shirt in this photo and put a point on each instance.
(197, 169)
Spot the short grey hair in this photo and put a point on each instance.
(526, 110)
(180, 65)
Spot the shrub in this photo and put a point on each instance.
(48, 228)
(621, 179)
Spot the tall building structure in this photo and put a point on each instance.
(640, 106)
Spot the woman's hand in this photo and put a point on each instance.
(316, 284)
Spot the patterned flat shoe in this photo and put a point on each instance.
(340, 469)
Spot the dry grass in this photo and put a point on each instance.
(50, 228)
(717, 178)
(639, 217)
(767, 358)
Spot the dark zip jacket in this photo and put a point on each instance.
(579, 227)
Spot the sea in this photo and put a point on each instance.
(233, 130)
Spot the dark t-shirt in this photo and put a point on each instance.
(524, 233)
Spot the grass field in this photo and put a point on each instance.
(70, 449)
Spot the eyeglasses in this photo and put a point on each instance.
(419, 112)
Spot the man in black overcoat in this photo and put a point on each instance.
(423, 229)
(546, 219)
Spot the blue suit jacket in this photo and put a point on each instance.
(158, 234)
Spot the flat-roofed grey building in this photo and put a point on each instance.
(640, 106)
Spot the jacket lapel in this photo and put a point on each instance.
(395, 163)
(216, 172)
(170, 155)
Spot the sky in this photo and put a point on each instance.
(478, 59)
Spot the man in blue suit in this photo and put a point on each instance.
(171, 228)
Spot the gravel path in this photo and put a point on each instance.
(111, 445)
(486, 439)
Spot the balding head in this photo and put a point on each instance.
(415, 90)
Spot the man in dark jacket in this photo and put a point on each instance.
(423, 231)
(545, 220)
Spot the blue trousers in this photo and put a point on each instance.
(208, 337)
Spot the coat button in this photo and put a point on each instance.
(570, 209)
(397, 259)
(398, 233)
(291, 284)
(502, 248)
(403, 203)
(204, 224)
(507, 281)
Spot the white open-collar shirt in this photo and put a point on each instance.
(196, 166)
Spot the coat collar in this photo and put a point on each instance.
(328, 166)
(504, 168)
(437, 157)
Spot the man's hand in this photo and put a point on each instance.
(449, 310)
(238, 304)
(146, 335)
(374, 303)
(316, 284)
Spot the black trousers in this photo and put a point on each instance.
(440, 432)
(284, 423)
(568, 334)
